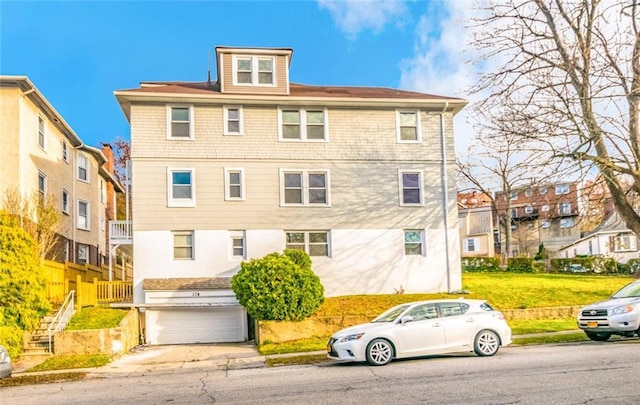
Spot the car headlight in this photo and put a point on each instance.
(3, 357)
(622, 310)
(352, 337)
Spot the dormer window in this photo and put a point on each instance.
(254, 71)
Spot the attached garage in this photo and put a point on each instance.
(183, 311)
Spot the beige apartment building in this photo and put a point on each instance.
(41, 154)
(361, 178)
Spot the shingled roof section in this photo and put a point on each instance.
(295, 90)
(177, 284)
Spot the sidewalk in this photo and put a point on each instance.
(213, 356)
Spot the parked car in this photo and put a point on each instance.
(5, 363)
(619, 315)
(423, 328)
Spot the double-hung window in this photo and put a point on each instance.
(315, 243)
(562, 189)
(413, 242)
(83, 253)
(237, 245)
(42, 186)
(83, 215)
(42, 134)
(300, 124)
(566, 223)
(65, 201)
(65, 152)
(471, 245)
(408, 126)
(564, 208)
(183, 245)
(234, 184)
(180, 122)
(625, 243)
(304, 187)
(528, 209)
(181, 190)
(83, 168)
(410, 187)
(254, 70)
(232, 120)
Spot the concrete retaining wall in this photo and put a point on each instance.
(108, 341)
(283, 331)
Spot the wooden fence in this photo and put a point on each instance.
(89, 282)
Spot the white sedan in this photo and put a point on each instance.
(423, 328)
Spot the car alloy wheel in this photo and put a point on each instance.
(379, 352)
(486, 343)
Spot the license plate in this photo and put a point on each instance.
(592, 324)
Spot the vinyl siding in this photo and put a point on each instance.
(281, 85)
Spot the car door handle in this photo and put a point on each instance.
(471, 320)
(435, 325)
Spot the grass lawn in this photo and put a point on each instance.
(99, 317)
(67, 362)
(502, 290)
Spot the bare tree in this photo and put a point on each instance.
(569, 72)
(500, 160)
(39, 217)
(122, 157)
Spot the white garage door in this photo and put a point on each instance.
(195, 325)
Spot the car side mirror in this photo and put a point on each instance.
(405, 319)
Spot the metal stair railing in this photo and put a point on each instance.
(61, 319)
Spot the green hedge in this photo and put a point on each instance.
(11, 339)
(593, 264)
(480, 264)
(520, 265)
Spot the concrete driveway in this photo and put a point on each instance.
(166, 357)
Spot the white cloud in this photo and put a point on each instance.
(440, 61)
(355, 16)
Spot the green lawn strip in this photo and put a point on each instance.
(523, 327)
(41, 379)
(540, 340)
(68, 362)
(99, 317)
(295, 346)
(292, 360)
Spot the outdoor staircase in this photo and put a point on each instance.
(36, 344)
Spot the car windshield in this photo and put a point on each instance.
(392, 314)
(628, 291)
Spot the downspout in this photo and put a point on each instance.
(445, 200)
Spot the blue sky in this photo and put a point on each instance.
(77, 52)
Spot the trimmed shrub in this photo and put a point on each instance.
(634, 266)
(480, 264)
(520, 265)
(275, 288)
(299, 257)
(593, 264)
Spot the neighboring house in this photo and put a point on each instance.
(41, 153)
(251, 164)
(475, 220)
(612, 239)
(541, 214)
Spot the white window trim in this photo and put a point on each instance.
(103, 191)
(561, 209)
(303, 124)
(82, 156)
(545, 208)
(233, 235)
(401, 184)
(528, 192)
(514, 195)
(181, 202)
(80, 248)
(44, 133)
(193, 245)
(528, 209)
(418, 127)
(307, 239)
(476, 245)
(88, 227)
(570, 223)
(65, 210)
(254, 71)
(618, 241)
(545, 225)
(44, 183)
(191, 125)
(65, 152)
(225, 113)
(227, 184)
(305, 187)
(563, 186)
(422, 242)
